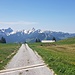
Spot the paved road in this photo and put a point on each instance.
(26, 57)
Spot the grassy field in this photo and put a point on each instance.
(6, 53)
(59, 56)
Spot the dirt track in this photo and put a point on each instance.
(26, 57)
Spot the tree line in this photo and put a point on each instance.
(38, 40)
(2, 40)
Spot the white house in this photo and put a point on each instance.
(47, 41)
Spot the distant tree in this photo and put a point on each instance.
(54, 39)
(37, 40)
(2, 40)
(25, 42)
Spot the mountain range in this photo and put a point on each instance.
(31, 35)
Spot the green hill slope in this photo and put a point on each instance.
(60, 56)
(67, 41)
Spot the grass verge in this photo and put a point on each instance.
(7, 51)
(59, 56)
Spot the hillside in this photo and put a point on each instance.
(59, 56)
(67, 41)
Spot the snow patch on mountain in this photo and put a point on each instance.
(32, 34)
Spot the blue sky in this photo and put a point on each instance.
(54, 15)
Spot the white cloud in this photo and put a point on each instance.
(18, 23)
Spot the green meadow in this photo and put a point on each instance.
(7, 51)
(60, 56)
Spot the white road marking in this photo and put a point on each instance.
(22, 68)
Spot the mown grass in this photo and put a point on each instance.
(6, 53)
(59, 56)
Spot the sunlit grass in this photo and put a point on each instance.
(6, 53)
(59, 56)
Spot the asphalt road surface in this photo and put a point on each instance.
(27, 57)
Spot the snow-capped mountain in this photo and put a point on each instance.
(6, 31)
(31, 35)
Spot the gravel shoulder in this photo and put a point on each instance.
(27, 57)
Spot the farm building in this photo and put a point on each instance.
(47, 41)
